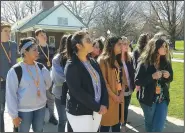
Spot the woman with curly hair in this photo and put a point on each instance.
(153, 75)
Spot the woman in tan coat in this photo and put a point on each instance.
(112, 69)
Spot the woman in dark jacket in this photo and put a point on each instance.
(153, 74)
(87, 99)
(129, 71)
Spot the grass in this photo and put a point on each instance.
(19, 59)
(176, 106)
(179, 45)
(177, 56)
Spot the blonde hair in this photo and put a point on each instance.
(127, 56)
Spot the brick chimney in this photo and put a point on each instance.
(47, 5)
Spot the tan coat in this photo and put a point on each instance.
(112, 116)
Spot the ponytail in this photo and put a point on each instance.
(69, 47)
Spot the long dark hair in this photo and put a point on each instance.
(73, 41)
(63, 49)
(149, 56)
(62, 45)
(108, 51)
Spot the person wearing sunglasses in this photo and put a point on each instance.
(87, 98)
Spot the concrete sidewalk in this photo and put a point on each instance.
(177, 60)
(178, 53)
(135, 116)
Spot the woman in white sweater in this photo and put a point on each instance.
(26, 96)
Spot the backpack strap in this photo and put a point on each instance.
(40, 65)
(18, 71)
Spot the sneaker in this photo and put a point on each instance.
(123, 129)
(53, 120)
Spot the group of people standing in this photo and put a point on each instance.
(90, 81)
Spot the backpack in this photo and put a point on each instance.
(18, 71)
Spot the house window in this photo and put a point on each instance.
(62, 21)
(52, 41)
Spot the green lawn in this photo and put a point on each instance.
(177, 56)
(179, 45)
(19, 59)
(176, 106)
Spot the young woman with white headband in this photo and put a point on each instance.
(26, 98)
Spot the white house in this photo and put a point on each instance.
(55, 20)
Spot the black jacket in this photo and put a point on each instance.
(143, 78)
(80, 100)
(131, 72)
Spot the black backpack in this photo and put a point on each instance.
(18, 70)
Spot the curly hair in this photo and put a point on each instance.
(142, 42)
(150, 54)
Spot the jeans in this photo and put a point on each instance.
(115, 128)
(34, 118)
(2, 104)
(50, 102)
(62, 115)
(155, 116)
(127, 102)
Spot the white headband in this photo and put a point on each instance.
(26, 45)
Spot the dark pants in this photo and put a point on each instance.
(2, 104)
(127, 102)
(115, 128)
(155, 116)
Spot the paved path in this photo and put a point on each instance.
(178, 60)
(178, 53)
(135, 116)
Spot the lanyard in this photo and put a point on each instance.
(37, 81)
(47, 57)
(93, 73)
(8, 55)
(117, 75)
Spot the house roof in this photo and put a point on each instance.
(34, 19)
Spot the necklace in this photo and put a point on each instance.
(36, 81)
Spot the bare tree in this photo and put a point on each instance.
(169, 16)
(32, 6)
(119, 17)
(12, 11)
(86, 11)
